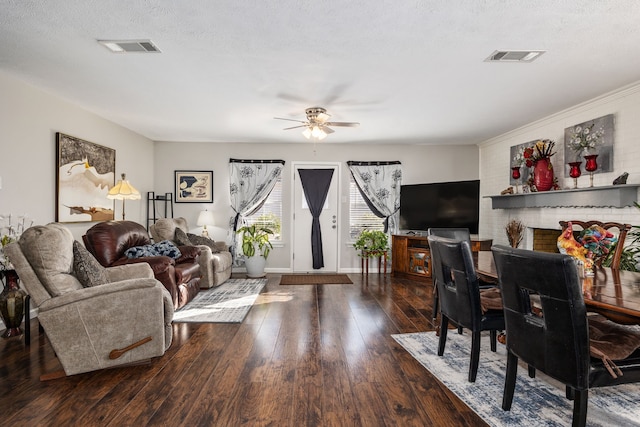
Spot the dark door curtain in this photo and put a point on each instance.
(315, 184)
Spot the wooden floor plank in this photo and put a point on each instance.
(305, 355)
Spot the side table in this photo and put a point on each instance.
(364, 262)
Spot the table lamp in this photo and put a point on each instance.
(123, 190)
(205, 218)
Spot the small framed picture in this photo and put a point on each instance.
(194, 186)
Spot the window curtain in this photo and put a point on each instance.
(379, 184)
(251, 182)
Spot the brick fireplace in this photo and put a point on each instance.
(545, 240)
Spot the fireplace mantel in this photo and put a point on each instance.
(611, 196)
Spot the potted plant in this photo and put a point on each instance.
(255, 247)
(372, 243)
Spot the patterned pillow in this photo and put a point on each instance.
(141, 251)
(86, 268)
(166, 247)
(201, 240)
(181, 237)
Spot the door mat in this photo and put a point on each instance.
(315, 279)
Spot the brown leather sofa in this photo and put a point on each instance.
(108, 241)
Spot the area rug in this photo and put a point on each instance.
(227, 303)
(315, 279)
(537, 401)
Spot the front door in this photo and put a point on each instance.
(302, 221)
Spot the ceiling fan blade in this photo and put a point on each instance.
(291, 120)
(327, 130)
(344, 124)
(295, 127)
(322, 118)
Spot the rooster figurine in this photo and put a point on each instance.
(567, 244)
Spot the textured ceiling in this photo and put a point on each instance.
(408, 71)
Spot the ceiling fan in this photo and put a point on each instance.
(317, 123)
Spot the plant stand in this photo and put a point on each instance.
(364, 262)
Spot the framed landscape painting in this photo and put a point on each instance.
(85, 172)
(194, 186)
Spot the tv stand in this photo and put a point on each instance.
(411, 258)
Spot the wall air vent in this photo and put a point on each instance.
(130, 46)
(514, 55)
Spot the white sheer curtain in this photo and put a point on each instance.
(379, 184)
(251, 182)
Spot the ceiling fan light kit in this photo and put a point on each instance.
(317, 124)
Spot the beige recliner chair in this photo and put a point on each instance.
(126, 320)
(215, 265)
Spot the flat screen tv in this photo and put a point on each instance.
(441, 204)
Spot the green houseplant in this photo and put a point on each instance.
(630, 259)
(371, 243)
(255, 247)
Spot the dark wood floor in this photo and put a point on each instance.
(314, 355)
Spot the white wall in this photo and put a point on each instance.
(29, 120)
(420, 164)
(495, 163)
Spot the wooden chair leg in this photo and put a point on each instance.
(434, 310)
(444, 325)
(580, 408)
(532, 371)
(493, 337)
(569, 393)
(27, 320)
(509, 381)
(475, 356)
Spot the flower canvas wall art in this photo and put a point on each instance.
(518, 159)
(590, 137)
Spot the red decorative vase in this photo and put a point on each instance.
(592, 164)
(543, 175)
(574, 172)
(515, 172)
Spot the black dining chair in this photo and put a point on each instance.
(450, 233)
(459, 293)
(554, 336)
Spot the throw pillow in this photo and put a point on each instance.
(610, 341)
(86, 268)
(141, 251)
(181, 238)
(201, 240)
(189, 254)
(165, 247)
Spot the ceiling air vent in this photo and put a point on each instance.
(129, 46)
(514, 55)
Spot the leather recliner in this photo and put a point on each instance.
(215, 267)
(108, 241)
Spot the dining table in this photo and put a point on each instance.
(612, 293)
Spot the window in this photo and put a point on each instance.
(360, 216)
(270, 215)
